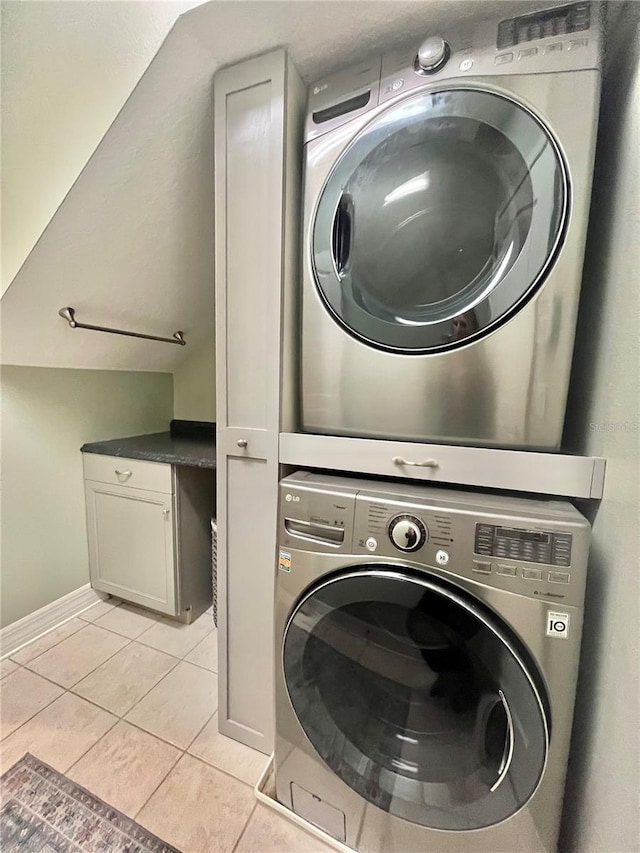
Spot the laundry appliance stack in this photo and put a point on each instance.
(427, 640)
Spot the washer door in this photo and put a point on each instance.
(416, 698)
(438, 220)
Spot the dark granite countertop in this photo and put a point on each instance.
(195, 450)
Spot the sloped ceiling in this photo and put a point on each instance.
(324, 35)
(131, 246)
(67, 69)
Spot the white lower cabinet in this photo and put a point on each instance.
(131, 544)
(150, 544)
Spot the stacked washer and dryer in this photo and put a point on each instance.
(427, 640)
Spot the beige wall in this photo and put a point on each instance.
(47, 414)
(194, 384)
(67, 68)
(601, 805)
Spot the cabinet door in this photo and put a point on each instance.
(258, 106)
(131, 544)
(246, 620)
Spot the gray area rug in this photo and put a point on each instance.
(44, 812)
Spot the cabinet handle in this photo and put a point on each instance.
(125, 474)
(166, 512)
(242, 442)
(428, 463)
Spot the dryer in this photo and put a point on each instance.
(447, 192)
(427, 646)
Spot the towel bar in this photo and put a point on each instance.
(69, 314)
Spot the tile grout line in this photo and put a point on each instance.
(215, 766)
(120, 720)
(245, 827)
(51, 630)
(191, 742)
(55, 698)
(170, 770)
(151, 734)
(86, 675)
(115, 633)
(119, 717)
(138, 701)
(207, 764)
(122, 716)
(86, 625)
(104, 734)
(64, 690)
(199, 665)
(22, 648)
(186, 653)
(183, 752)
(138, 726)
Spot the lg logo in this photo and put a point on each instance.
(295, 498)
(557, 624)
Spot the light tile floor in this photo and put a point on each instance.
(124, 702)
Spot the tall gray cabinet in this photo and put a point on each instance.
(258, 111)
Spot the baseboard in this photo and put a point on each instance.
(33, 626)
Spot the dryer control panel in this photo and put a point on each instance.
(558, 39)
(536, 548)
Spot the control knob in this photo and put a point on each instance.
(407, 532)
(432, 55)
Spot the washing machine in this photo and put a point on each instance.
(427, 646)
(446, 201)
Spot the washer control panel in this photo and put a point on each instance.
(407, 532)
(534, 546)
(528, 547)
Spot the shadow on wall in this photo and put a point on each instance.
(616, 101)
(598, 602)
(601, 811)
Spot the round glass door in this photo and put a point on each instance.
(438, 220)
(416, 698)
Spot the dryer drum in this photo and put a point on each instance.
(438, 220)
(416, 697)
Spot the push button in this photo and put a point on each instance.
(559, 577)
(532, 574)
(511, 571)
(482, 567)
(504, 58)
(577, 44)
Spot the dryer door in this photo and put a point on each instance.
(438, 220)
(416, 697)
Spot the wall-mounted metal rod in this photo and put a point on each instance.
(70, 315)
